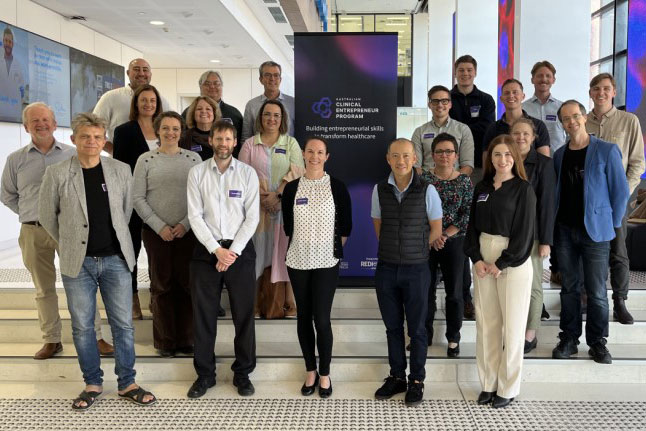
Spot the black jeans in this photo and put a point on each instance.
(402, 292)
(451, 261)
(314, 292)
(619, 263)
(466, 280)
(134, 226)
(206, 288)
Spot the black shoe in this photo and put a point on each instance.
(486, 397)
(244, 385)
(600, 353)
(453, 352)
(166, 353)
(309, 390)
(221, 312)
(530, 345)
(415, 394)
(621, 313)
(544, 314)
(186, 350)
(392, 386)
(565, 348)
(469, 311)
(500, 402)
(325, 392)
(199, 387)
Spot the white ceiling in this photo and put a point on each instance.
(236, 32)
(373, 6)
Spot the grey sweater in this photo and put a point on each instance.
(159, 191)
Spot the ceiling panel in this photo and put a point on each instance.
(373, 6)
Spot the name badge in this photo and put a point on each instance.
(428, 136)
(228, 120)
(196, 148)
(482, 197)
(280, 151)
(301, 201)
(104, 187)
(475, 111)
(235, 193)
(550, 117)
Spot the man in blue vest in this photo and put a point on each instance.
(407, 214)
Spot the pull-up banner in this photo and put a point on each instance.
(346, 92)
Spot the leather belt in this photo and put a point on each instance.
(32, 223)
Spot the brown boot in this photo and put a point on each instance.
(105, 348)
(620, 313)
(48, 350)
(136, 308)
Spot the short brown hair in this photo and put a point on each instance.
(600, 77)
(168, 114)
(570, 102)
(284, 119)
(518, 169)
(134, 109)
(523, 120)
(87, 119)
(221, 126)
(466, 59)
(437, 88)
(511, 81)
(190, 115)
(543, 63)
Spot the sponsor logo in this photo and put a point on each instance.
(323, 107)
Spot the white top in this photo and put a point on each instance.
(152, 144)
(312, 244)
(114, 107)
(223, 205)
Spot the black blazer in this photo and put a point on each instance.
(129, 143)
(540, 174)
(342, 212)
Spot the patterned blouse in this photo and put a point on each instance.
(456, 196)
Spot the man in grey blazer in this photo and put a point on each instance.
(85, 204)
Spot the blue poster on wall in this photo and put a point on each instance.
(346, 92)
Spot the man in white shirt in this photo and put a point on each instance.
(12, 81)
(114, 105)
(223, 209)
(270, 78)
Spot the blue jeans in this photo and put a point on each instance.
(402, 291)
(112, 276)
(575, 250)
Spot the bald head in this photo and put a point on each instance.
(139, 73)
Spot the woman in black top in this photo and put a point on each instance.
(499, 241)
(317, 217)
(131, 140)
(201, 115)
(540, 174)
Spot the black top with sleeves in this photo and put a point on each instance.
(196, 140)
(509, 211)
(541, 175)
(342, 213)
(129, 143)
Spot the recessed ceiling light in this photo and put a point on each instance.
(142, 13)
(157, 22)
(214, 61)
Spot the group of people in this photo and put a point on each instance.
(263, 218)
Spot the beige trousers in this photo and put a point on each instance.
(536, 301)
(501, 316)
(38, 249)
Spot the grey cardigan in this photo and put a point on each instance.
(63, 209)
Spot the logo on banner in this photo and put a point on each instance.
(323, 107)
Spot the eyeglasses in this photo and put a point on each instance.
(574, 117)
(270, 115)
(216, 84)
(440, 152)
(271, 75)
(436, 102)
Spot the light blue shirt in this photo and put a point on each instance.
(547, 113)
(433, 202)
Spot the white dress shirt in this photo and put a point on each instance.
(223, 205)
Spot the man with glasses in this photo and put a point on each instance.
(270, 78)
(211, 85)
(439, 101)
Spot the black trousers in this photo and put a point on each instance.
(466, 281)
(314, 292)
(451, 262)
(134, 226)
(206, 288)
(619, 263)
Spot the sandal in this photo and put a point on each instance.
(137, 395)
(88, 397)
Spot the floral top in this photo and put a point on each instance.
(456, 196)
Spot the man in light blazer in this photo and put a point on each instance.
(85, 204)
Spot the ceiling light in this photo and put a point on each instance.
(157, 22)
(142, 13)
(214, 61)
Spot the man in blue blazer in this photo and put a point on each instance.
(591, 197)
